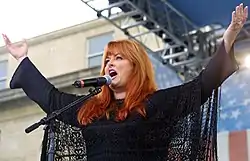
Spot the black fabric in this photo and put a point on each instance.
(180, 122)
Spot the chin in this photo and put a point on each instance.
(114, 82)
(114, 85)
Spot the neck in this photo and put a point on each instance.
(119, 95)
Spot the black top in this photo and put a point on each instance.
(166, 132)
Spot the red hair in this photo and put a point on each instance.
(141, 84)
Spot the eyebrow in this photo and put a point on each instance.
(113, 54)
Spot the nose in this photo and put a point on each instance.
(110, 63)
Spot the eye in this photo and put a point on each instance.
(119, 58)
(106, 61)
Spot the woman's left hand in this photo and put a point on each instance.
(239, 17)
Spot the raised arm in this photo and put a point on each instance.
(223, 64)
(37, 87)
(191, 95)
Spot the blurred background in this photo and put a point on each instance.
(66, 39)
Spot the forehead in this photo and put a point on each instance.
(113, 52)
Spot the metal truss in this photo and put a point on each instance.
(179, 42)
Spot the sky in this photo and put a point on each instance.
(30, 18)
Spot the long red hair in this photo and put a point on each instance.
(141, 84)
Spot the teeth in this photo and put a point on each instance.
(112, 73)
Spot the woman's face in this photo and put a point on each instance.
(120, 69)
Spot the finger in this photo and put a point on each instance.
(7, 40)
(246, 12)
(241, 9)
(233, 16)
(237, 10)
(4, 38)
(245, 15)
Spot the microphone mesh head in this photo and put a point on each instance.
(108, 78)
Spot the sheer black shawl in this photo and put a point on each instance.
(195, 129)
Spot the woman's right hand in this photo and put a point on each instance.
(18, 51)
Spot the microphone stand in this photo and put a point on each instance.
(49, 120)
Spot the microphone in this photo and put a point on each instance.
(94, 82)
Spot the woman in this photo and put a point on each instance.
(134, 121)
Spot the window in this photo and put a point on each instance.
(3, 74)
(96, 46)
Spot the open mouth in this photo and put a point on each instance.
(112, 73)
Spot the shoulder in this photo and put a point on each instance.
(165, 92)
(164, 97)
(172, 94)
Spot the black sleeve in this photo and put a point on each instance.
(191, 95)
(41, 91)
